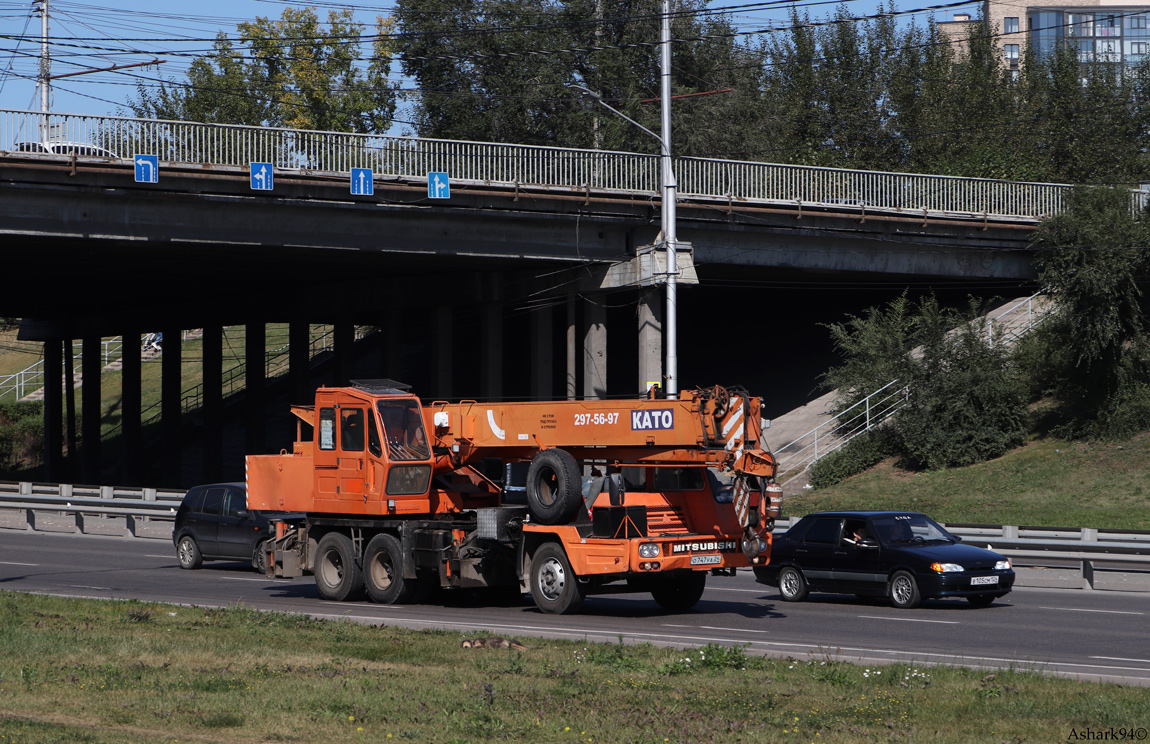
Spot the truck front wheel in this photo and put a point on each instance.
(383, 565)
(337, 572)
(681, 592)
(554, 586)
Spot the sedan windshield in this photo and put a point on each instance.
(906, 529)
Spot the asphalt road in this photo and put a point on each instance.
(1098, 635)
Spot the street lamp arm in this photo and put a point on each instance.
(596, 97)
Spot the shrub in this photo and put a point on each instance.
(21, 434)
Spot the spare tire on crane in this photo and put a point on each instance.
(553, 487)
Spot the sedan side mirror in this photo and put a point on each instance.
(957, 538)
(242, 513)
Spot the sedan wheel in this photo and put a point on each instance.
(792, 584)
(904, 591)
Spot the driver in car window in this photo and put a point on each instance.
(856, 534)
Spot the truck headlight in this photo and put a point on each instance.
(945, 567)
(1002, 565)
(649, 550)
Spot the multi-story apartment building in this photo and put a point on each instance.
(1103, 31)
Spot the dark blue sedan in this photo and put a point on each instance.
(905, 556)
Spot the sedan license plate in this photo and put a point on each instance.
(981, 580)
(706, 560)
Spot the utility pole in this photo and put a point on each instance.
(45, 71)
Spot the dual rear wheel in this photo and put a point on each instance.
(340, 577)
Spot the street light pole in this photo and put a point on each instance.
(669, 190)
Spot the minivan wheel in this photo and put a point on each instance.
(189, 553)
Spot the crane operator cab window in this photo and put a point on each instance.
(406, 440)
(351, 430)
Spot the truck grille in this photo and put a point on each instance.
(665, 519)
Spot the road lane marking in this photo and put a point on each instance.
(14, 563)
(160, 556)
(715, 627)
(1107, 612)
(910, 620)
(1119, 658)
(244, 578)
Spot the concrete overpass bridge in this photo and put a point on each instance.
(507, 287)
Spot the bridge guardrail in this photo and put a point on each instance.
(1084, 548)
(530, 166)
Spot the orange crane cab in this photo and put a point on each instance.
(558, 498)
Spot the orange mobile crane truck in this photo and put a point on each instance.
(398, 498)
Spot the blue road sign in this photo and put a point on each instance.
(362, 181)
(147, 168)
(438, 186)
(262, 175)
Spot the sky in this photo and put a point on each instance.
(130, 31)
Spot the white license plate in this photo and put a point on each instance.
(980, 580)
(706, 560)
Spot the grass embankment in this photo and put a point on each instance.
(1046, 482)
(101, 671)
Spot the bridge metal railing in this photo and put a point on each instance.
(793, 458)
(528, 166)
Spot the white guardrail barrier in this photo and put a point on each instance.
(149, 513)
(224, 147)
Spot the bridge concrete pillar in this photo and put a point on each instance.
(53, 411)
(343, 352)
(172, 404)
(91, 406)
(542, 354)
(131, 380)
(594, 348)
(572, 338)
(444, 361)
(299, 363)
(212, 376)
(491, 338)
(255, 385)
(650, 338)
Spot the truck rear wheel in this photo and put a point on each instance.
(383, 565)
(337, 572)
(553, 487)
(681, 592)
(554, 586)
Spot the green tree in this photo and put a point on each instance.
(294, 72)
(1094, 258)
(498, 70)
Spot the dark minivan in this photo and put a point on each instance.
(214, 523)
